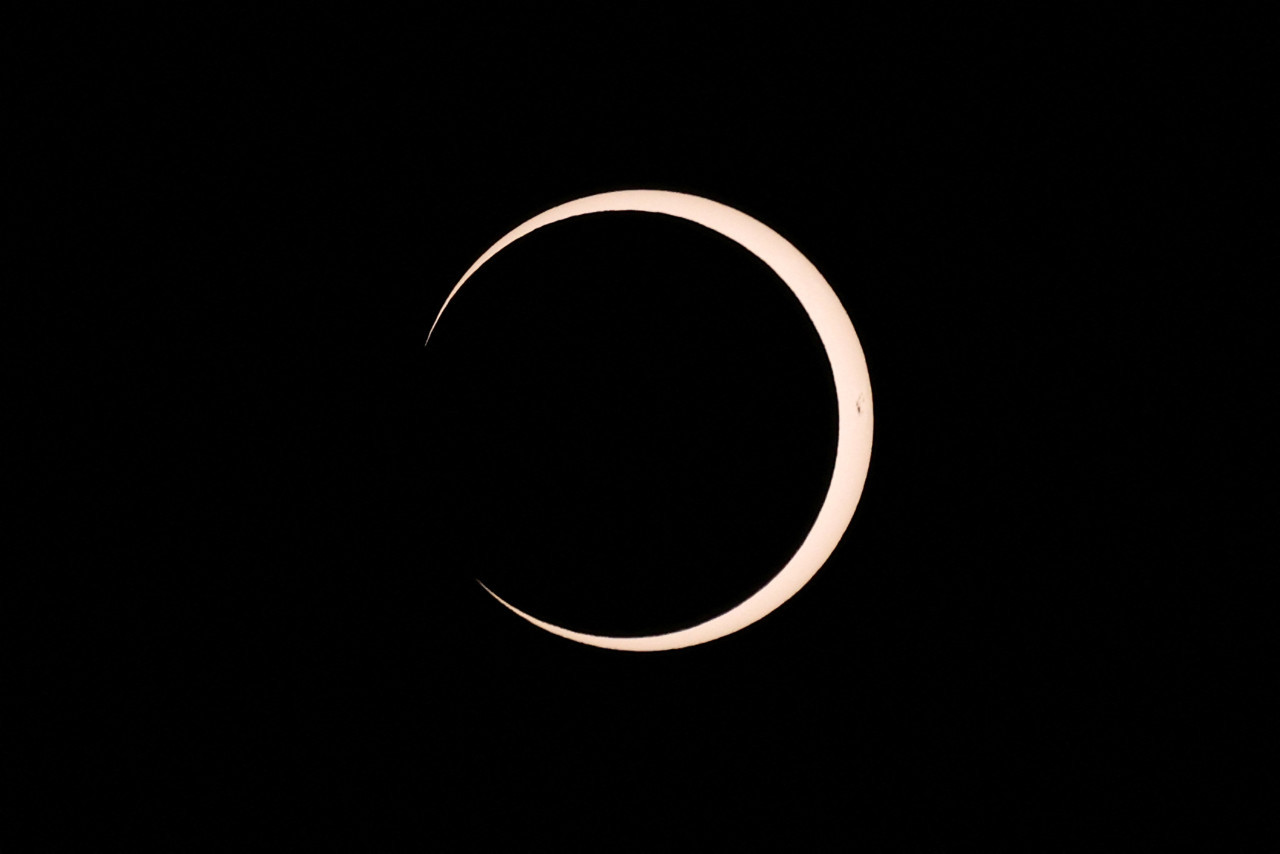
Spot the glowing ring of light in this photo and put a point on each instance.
(853, 398)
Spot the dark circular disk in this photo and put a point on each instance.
(635, 424)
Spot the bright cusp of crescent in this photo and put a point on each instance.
(853, 399)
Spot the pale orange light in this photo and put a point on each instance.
(853, 399)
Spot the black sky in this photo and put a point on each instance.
(284, 499)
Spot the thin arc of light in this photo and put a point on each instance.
(853, 400)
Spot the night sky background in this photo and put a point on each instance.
(270, 503)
